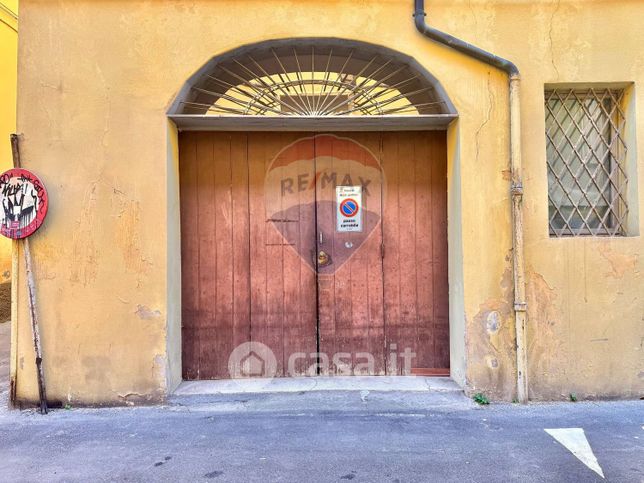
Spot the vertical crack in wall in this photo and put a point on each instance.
(552, 51)
(488, 116)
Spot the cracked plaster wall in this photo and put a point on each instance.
(92, 103)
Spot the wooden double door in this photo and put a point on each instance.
(273, 253)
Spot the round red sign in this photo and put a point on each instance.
(349, 208)
(24, 203)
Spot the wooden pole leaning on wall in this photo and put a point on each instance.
(31, 288)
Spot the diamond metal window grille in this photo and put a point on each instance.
(586, 154)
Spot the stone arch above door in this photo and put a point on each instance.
(312, 83)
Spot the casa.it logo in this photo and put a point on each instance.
(300, 197)
(254, 361)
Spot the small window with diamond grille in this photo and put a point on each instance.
(586, 155)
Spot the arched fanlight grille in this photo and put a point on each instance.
(312, 78)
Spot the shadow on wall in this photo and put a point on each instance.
(5, 301)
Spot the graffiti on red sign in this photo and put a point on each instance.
(24, 203)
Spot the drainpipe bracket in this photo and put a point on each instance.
(516, 189)
(520, 307)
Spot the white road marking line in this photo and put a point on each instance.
(574, 439)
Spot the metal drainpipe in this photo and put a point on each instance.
(516, 186)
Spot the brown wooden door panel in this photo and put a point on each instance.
(438, 190)
(350, 287)
(189, 256)
(214, 247)
(283, 302)
(243, 276)
(415, 239)
(240, 238)
(253, 206)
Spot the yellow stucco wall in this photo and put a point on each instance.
(8, 74)
(106, 260)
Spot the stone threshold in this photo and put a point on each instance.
(318, 383)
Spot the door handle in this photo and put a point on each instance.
(321, 238)
(323, 258)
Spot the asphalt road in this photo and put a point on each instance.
(318, 436)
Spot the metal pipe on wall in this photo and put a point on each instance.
(516, 186)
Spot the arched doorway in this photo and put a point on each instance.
(313, 213)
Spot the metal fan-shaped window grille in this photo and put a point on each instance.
(312, 78)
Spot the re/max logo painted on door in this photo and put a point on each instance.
(301, 181)
(305, 182)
